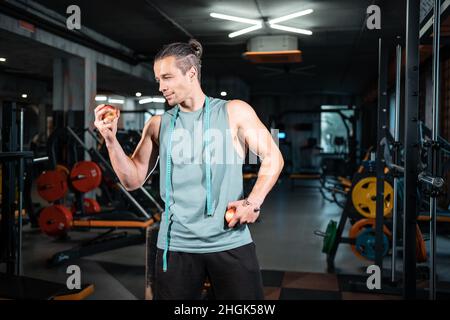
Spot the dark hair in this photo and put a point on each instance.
(187, 55)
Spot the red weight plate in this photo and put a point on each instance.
(51, 185)
(85, 176)
(55, 220)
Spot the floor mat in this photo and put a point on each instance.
(278, 285)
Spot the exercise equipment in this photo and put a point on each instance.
(421, 250)
(85, 176)
(52, 185)
(363, 232)
(13, 285)
(108, 171)
(56, 220)
(417, 165)
(335, 189)
(63, 169)
(329, 237)
(365, 244)
(421, 158)
(114, 237)
(364, 197)
(121, 227)
(395, 159)
(350, 124)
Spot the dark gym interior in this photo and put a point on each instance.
(356, 94)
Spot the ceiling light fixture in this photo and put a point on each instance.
(291, 16)
(146, 100)
(233, 18)
(290, 29)
(116, 101)
(101, 98)
(152, 99)
(258, 24)
(159, 99)
(246, 30)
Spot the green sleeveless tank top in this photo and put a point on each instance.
(190, 228)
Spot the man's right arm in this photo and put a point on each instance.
(133, 170)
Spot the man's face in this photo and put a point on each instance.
(172, 83)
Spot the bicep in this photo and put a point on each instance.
(147, 150)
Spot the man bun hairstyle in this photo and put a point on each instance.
(196, 47)
(187, 55)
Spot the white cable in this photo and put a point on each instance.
(148, 176)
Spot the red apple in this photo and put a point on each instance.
(229, 214)
(110, 115)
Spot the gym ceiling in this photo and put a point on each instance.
(340, 57)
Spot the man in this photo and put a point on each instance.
(197, 185)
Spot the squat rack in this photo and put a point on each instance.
(411, 171)
(413, 145)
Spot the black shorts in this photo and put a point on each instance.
(234, 274)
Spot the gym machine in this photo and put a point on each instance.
(330, 165)
(13, 284)
(416, 175)
(110, 220)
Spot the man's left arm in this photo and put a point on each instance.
(252, 131)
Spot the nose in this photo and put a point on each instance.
(162, 88)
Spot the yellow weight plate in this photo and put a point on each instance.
(364, 197)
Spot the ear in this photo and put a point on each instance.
(192, 73)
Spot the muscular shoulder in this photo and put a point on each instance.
(240, 111)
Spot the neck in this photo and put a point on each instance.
(193, 103)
